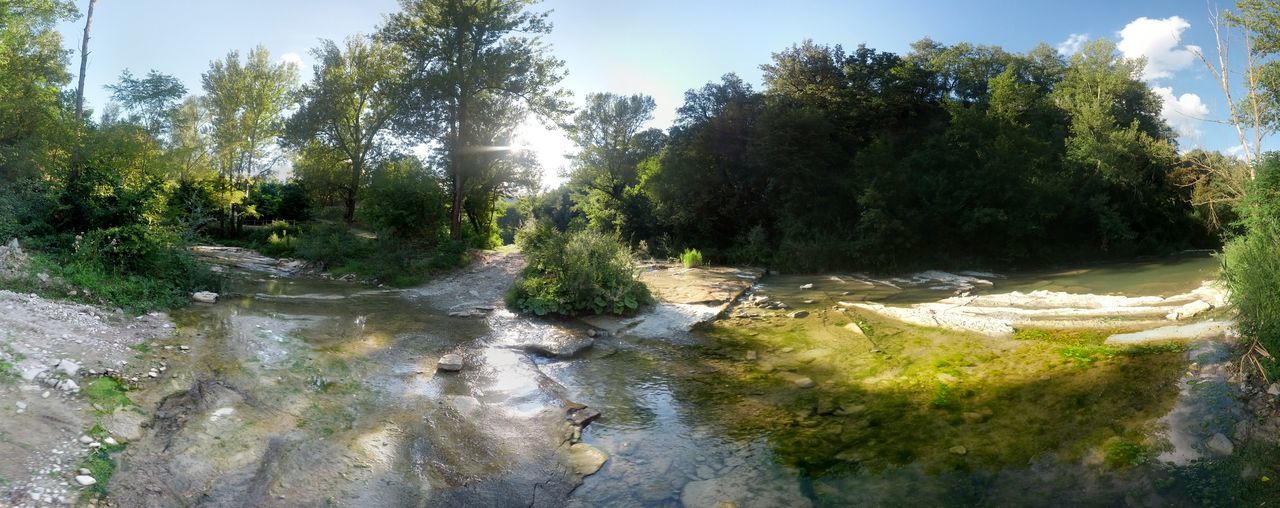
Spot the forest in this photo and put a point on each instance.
(395, 157)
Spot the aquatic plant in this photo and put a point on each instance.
(691, 258)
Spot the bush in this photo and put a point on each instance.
(404, 200)
(582, 271)
(691, 258)
(132, 267)
(331, 245)
(1250, 266)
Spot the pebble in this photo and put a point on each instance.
(959, 450)
(110, 441)
(85, 480)
(85, 440)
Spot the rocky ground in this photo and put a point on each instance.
(49, 352)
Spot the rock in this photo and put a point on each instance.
(85, 440)
(752, 355)
(68, 385)
(1274, 389)
(1189, 310)
(450, 363)
(204, 297)
(807, 286)
(583, 416)
(959, 450)
(800, 314)
(110, 441)
(972, 417)
(85, 472)
(591, 332)
(85, 480)
(857, 330)
(585, 459)
(803, 382)
(1220, 444)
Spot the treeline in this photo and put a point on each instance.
(955, 155)
(111, 199)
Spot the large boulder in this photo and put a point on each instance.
(204, 297)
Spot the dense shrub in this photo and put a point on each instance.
(404, 200)
(1251, 268)
(331, 244)
(579, 272)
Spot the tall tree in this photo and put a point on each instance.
(612, 142)
(32, 73)
(463, 53)
(349, 105)
(84, 60)
(246, 103)
(150, 101)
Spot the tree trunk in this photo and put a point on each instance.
(357, 166)
(84, 62)
(458, 150)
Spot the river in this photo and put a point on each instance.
(303, 391)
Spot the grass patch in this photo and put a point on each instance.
(141, 347)
(107, 393)
(1123, 453)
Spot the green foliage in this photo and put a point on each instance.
(1121, 453)
(579, 272)
(1250, 266)
(405, 200)
(691, 258)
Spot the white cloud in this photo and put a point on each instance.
(1158, 41)
(292, 58)
(1236, 152)
(1073, 44)
(1184, 112)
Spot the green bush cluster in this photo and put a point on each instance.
(1250, 265)
(582, 271)
(691, 258)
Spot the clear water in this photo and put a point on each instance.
(341, 377)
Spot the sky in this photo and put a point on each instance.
(664, 47)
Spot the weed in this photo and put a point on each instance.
(691, 258)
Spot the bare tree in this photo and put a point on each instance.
(84, 61)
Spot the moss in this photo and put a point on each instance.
(107, 393)
(905, 394)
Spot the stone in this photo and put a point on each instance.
(68, 385)
(591, 332)
(857, 330)
(204, 297)
(1274, 389)
(583, 416)
(803, 382)
(110, 441)
(85, 440)
(85, 472)
(585, 459)
(1220, 444)
(1189, 310)
(959, 450)
(800, 314)
(752, 355)
(85, 480)
(807, 286)
(451, 362)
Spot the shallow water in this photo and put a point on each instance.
(332, 398)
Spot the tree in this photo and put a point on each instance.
(612, 142)
(349, 105)
(32, 73)
(463, 53)
(84, 61)
(151, 101)
(246, 103)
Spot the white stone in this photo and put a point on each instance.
(85, 440)
(204, 297)
(1189, 310)
(450, 363)
(85, 480)
(110, 441)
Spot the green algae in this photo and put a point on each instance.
(903, 394)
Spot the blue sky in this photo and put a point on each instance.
(664, 47)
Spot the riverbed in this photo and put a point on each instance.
(303, 391)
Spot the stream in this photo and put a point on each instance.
(303, 391)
